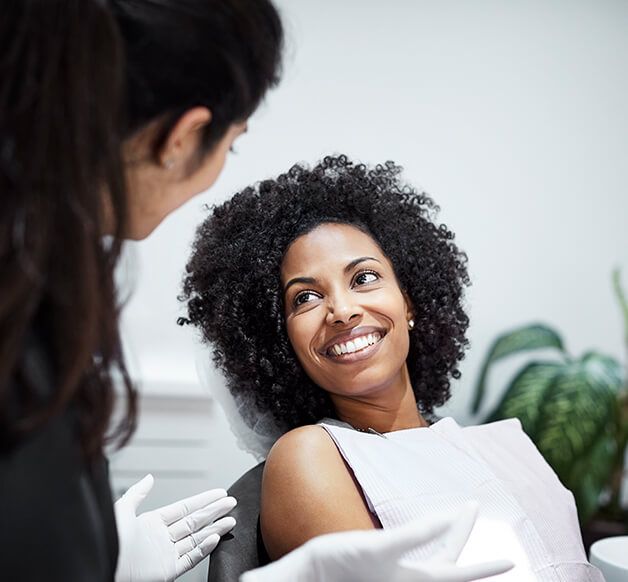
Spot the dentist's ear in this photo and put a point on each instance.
(180, 145)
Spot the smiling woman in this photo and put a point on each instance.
(247, 325)
(344, 308)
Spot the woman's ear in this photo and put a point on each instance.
(409, 311)
(181, 143)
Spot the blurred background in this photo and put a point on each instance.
(512, 115)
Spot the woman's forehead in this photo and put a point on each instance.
(327, 246)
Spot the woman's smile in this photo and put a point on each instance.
(358, 344)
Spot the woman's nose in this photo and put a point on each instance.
(342, 308)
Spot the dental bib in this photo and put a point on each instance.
(525, 513)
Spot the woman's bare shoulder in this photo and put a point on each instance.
(290, 448)
(308, 490)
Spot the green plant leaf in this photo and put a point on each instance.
(590, 474)
(568, 409)
(606, 370)
(578, 406)
(529, 337)
(525, 394)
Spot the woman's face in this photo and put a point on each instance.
(154, 191)
(346, 317)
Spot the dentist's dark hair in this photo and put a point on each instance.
(77, 77)
(221, 54)
(61, 96)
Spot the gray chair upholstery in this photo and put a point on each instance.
(242, 549)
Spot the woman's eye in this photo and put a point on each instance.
(305, 297)
(366, 277)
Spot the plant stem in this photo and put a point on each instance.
(622, 402)
(623, 302)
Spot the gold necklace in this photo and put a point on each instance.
(368, 430)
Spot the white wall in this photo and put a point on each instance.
(512, 114)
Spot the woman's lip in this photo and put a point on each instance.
(343, 338)
(362, 354)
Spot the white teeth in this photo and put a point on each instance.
(356, 344)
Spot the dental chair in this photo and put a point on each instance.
(242, 549)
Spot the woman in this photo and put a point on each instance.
(346, 304)
(112, 114)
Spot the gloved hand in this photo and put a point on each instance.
(160, 545)
(374, 556)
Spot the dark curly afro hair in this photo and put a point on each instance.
(234, 295)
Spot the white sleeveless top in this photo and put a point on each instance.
(525, 513)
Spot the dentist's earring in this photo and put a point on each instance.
(168, 164)
(411, 324)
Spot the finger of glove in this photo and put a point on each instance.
(293, 567)
(137, 492)
(458, 533)
(396, 541)
(190, 559)
(435, 572)
(199, 519)
(179, 509)
(485, 569)
(220, 527)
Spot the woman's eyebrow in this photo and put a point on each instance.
(312, 280)
(307, 280)
(358, 261)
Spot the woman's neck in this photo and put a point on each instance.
(386, 411)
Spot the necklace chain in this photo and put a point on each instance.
(369, 430)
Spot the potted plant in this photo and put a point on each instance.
(574, 409)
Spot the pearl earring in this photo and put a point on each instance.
(411, 324)
(169, 164)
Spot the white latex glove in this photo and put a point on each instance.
(160, 545)
(375, 556)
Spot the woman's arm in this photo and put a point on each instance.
(308, 490)
(376, 555)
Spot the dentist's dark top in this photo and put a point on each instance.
(56, 511)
